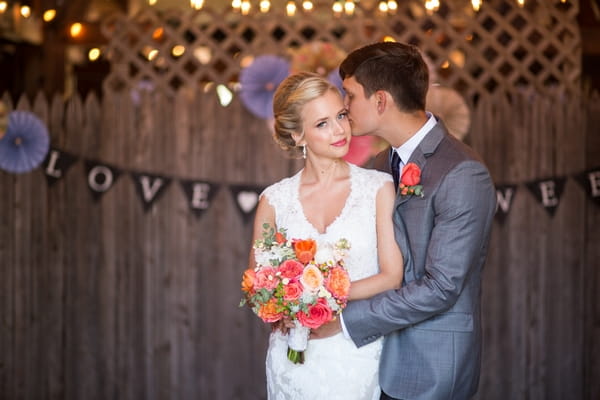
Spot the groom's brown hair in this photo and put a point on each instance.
(397, 68)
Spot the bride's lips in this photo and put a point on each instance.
(340, 143)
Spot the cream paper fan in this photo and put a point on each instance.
(449, 105)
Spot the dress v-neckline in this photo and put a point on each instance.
(340, 214)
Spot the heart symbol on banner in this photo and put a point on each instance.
(247, 200)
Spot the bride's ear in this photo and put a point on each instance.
(298, 138)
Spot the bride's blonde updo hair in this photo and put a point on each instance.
(288, 102)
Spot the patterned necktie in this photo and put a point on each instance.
(395, 164)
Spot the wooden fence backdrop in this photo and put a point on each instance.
(100, 300)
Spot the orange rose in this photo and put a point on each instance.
(305, 250)
(248, 280)
(411, 174)
(280, 238)
(270, 311)
(312, 278)
(317, 315)
(338, 283)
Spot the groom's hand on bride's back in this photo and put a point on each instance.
(326, 330)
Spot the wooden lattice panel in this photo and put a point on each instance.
(501, 47)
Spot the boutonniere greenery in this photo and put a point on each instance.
(409, 181)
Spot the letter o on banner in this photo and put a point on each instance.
(100, 178)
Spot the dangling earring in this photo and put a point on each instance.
(304, 151)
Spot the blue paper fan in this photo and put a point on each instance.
(25, 144)
(258, 83)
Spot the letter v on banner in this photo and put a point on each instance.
(548, 192)
(505, 195)
(149, 187)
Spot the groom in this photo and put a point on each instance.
(432, 323)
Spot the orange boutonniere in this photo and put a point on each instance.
(409, 181)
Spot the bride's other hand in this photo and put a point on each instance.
(282, 325)
(326, 330)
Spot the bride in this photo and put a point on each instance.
(327, 200)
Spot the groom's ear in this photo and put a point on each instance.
(381, 100)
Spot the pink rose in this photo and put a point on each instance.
(290, 269)
(411, 174)
(266, 279)
(318, 314)
(292, 291)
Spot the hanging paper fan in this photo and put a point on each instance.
(320, 57)
(449, 105)
(258, 82)
(25, 144)
(334, 77)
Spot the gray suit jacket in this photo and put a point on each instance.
(432, 324)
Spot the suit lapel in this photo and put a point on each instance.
(424, 150)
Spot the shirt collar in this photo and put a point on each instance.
(406, 149)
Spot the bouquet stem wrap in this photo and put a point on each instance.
(297, 342)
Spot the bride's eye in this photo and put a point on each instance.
(343, 115)
(321, 124)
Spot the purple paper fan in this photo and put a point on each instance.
(334, 77)
(258, 83)
(25, 144)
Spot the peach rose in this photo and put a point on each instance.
(290, 269)
(270, 311)
(338, 282)
(312, 278)
(305, 250)
(248, 280)
(411, 174)
(317, 315)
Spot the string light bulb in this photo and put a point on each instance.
(3, 6)
(264, 6)
(197, 4)
(383, 7)
(521, 3)
(236, 4)
(307, 5)
(349, 7)
(49, 15)
(432, 5)
(76, 30)
(476, 4)
(337, 7)
(245, 7)
(290, 8)
(25, 11)
(392, 6)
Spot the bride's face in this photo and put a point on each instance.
(326, 126)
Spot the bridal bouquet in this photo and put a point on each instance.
(296, 280)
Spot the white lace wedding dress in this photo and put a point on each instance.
(334, 368)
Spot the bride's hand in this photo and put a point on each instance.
(282, 325)
(326, 330)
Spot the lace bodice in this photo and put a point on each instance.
(334, 368)
(356, 222)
